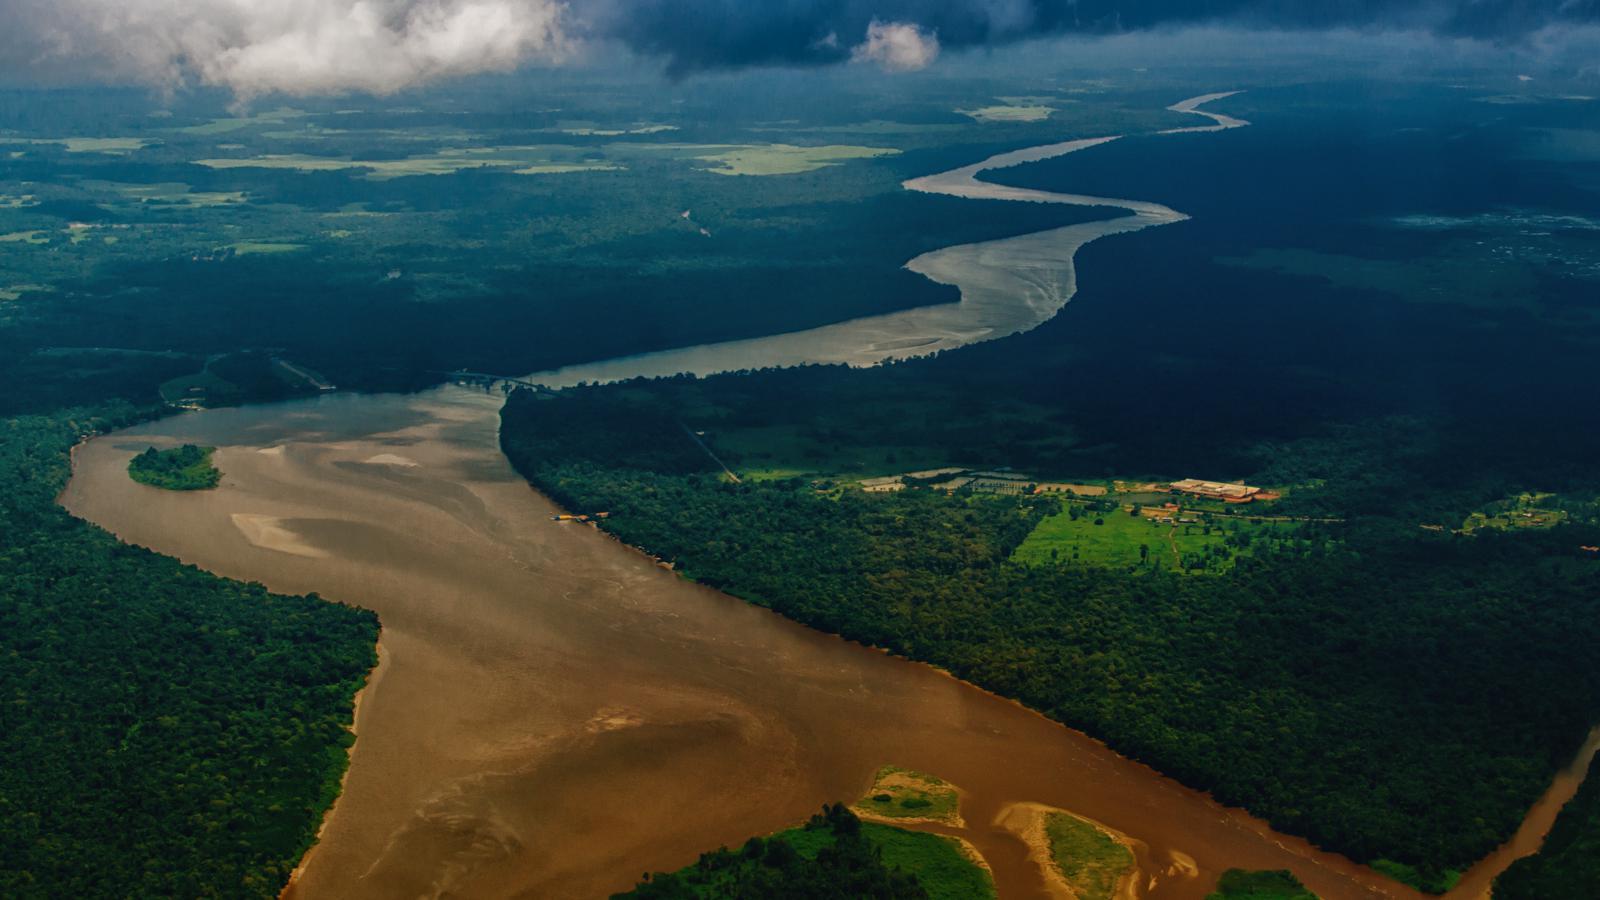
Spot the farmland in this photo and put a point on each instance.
(1138, 538)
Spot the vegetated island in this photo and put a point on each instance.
(1081, 858)
(834, 854)
(1238, 884)
(186, 468)
(905, 796)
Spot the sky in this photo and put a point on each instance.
(316, 47)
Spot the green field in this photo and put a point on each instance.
(786, 159)
(1090, 535)
(1091, 860)
(1526, 510)
(1008, 113)
(520, 160)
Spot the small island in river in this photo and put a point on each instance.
(186, 468)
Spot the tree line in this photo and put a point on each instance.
(1399, 694)
(166, 733)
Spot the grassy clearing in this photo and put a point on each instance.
(785, 159)
(257, 248)
(1526, 510)
(564, 168)
(1238, 884)
(171, 193)
(521, 160)
(25, 237)
(589, 129)
(1091, 860)
(15, 291)
(228, 126)
(116, 146)
(1009, 113)
(903, 794)
(1090, 534)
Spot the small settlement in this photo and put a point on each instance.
(1004, 481)
(1227, 492)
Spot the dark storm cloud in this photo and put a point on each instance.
(700, 34)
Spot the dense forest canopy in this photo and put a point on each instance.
(186, 468)
(831, 856)
(166, 732)
(1372, 693)
(1382, 305)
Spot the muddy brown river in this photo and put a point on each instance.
(554, 715)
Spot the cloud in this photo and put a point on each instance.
(290, 46)
(897, 47)
(381, 46)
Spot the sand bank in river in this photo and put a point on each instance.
(273, 533)
(1028, 821)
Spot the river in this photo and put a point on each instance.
(554, 714)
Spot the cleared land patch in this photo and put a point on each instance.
(590, 130)
(1129, 537)
(1526, 510)
(116, 146)
(522, 160)
(227, 126)
(783, 159)
(15, 291)
(172, 193)
(255, 248)
(1008, 113)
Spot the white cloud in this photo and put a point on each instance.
(897, 47)
(298, 46)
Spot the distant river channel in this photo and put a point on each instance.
(554, 715)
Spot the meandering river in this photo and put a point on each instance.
(554, 714)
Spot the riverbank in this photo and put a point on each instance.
(479, 769)
(367, 689)
(1007, 286)
(482, 771)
